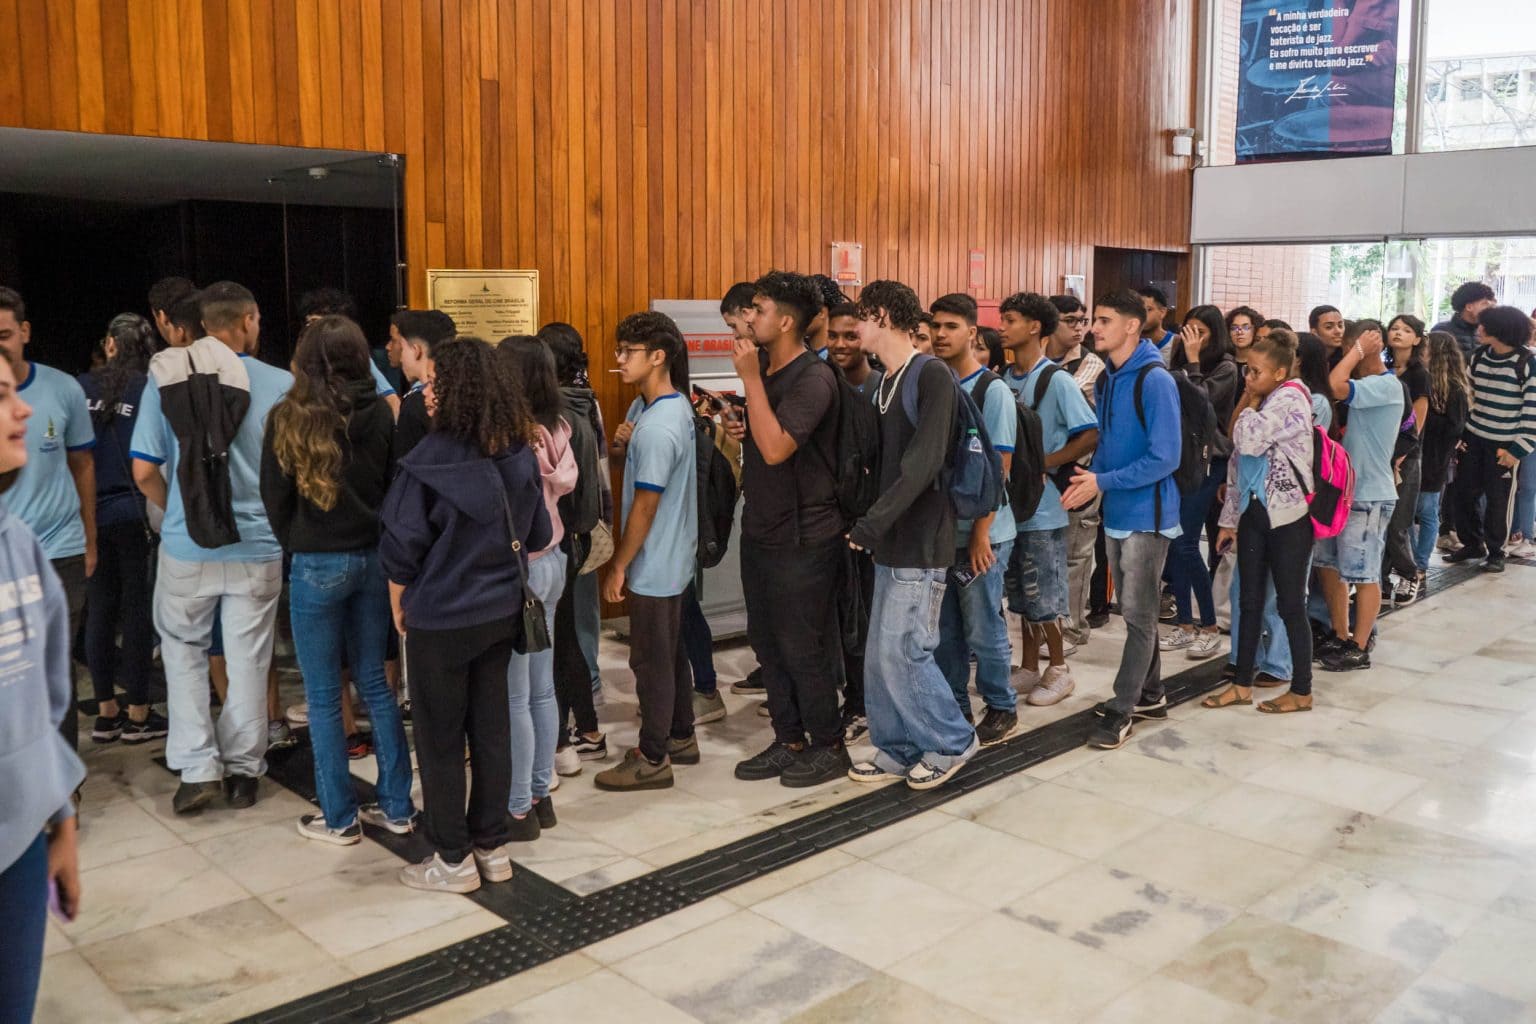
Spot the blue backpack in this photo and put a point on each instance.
(973, 471)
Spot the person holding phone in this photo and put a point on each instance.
(1265, 516)
(38, 767)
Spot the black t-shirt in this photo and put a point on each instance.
(413, 423)
(795, 502)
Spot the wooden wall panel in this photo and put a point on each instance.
(632, 149)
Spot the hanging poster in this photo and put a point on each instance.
(1318, 78)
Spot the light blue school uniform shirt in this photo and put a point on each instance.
(1002, 423)
(1064, 413)
(381, 383)
(661, 458)
(44, 495)
(1375, 414)
(1322, 411)
(154, 441)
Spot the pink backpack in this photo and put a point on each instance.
(1333, 493)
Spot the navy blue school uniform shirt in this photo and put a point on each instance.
(117, 498)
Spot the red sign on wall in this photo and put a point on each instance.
(978, 262)
(709, 344)
(848, 264)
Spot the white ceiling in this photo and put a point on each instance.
(136, 169)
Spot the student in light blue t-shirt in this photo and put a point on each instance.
(654, 558)
(241, 580)
(56, 495)
(1068, 432)
(319, 302)
(971, 614)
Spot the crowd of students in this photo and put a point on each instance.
(909, 479)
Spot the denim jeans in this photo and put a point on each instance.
(1274, 655)
(1523, 521)
(187, 594)
(339, 601)
(589, 621)
(24, 895)
(1428, 529)
(1137, 566)
(1187, 568)
(535, 723)
(971, 619)
(911, 709)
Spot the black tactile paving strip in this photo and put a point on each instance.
(546, 921)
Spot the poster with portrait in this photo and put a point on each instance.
(1317, 78)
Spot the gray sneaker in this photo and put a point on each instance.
(707, 707)
(436, 875)
(373, 814)
(1057, 685)
(635, 772)
(313, 826)
(494, 865)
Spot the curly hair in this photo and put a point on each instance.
(478, 402)
(1033, 306)
(892, 305)
(135, 339)
(330, 366)
(792, 293)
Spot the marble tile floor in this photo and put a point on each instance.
(1370, 861)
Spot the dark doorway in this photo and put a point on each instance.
(1134, 268)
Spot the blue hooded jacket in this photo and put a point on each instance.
(445, 531)
(38, 771)
(1132, 462)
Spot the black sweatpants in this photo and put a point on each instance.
(1398, 557)
(1098, 583)
(118, 599)
(856, 592)
(1282, 554)
(72, 575)
(663, 678)
(573, 676)
(458, 686)
(1479, 475)
(793, 626)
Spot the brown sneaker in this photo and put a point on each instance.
(683, 751)
(635, 772)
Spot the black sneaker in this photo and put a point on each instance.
(1111, 732)
(108, 729)
(816, 765)
(192, 797)
(855, 726)
(1349, 660)
(1465, 554)
(996, 726)
(1144, 708)
(240, 791)
(1329, 646)
(525, 829)
(544, 810)
(1167, 609)
(589, 750)
(770, 764)
(1407, 592)
(753, 685)
(1495, 563)
(1099, 619)
(154, 727)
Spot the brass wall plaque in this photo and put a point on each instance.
(488, 303)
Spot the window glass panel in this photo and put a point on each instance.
(1477, 55)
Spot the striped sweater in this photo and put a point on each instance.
(1503, 411)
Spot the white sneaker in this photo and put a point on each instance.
(1205, 645)
(373, 814)
(297, 714)
(1056, 686)
(1524, 549)
(567, 761)
(436, 875)
(554, 782)
(1024, 680)
(1176, 639)
(493, 865)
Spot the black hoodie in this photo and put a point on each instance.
(445, 531)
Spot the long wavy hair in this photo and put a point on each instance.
(330, 371)
(478, 401)
(134, 338)
(1447, 370)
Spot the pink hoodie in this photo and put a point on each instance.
(557, 464)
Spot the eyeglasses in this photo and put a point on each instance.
(1247, 329)
(1075, 321)
(623, 352)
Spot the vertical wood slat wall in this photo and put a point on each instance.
(639, 149)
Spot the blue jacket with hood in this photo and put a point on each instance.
(38, 771)
(1134, 463)
(445, 531)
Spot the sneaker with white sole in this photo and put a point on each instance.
(1176, 639)
(707, 707)
(1206, 644)
(373, 814)
(751, 686)
(313, 826)
(1407, 592)
(1024, 680)
(855, 727)
(871, 774)
(1068, 648)
(437, 875)
(297, 714)
(1523, 549)
(1055, 686)
(1450, 542)
(494, 864)
(567, 761)
(589, 750)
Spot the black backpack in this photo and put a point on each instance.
(717, 493)
(583, 507)
(1198, 424)
(1026, 473)
(857, 452)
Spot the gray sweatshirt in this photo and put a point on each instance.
(38, 771)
